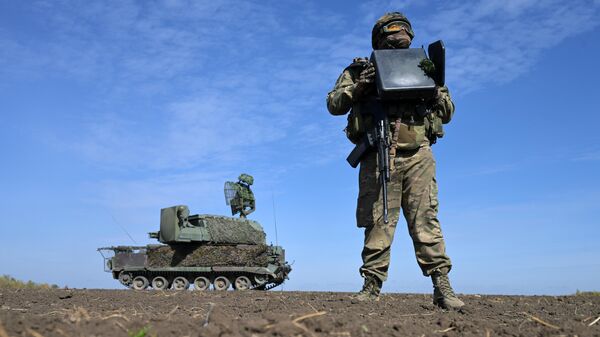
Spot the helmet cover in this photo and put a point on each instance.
(377, 32)
(246, 178)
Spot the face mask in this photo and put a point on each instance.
(395, 44)
(399, 40)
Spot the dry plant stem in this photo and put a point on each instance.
(212, 305)
(303, 328)
(284, 304)
(114, 316)
(301, 318)
(164, 293)
(53, 313)
(2, 331)
(411, 315)
(61, 332)
(446, 330)
(541, 321)
(173, 311)
(121, 326)
(34, 333)
(595, 321)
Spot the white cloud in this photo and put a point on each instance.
(591, 155)
(497, 41)
(208, 128)
(207, 66)
(198, 189)
(212, 94)
(491, 170)
(492, 41)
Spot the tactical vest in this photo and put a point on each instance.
(411, 124)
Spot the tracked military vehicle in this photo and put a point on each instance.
(200, 250)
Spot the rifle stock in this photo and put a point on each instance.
(364, 146)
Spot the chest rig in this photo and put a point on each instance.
(410, 123)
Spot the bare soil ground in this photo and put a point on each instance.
(61, 312)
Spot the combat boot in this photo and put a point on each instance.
(370, 290)
(443, 295)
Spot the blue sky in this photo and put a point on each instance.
(111, 111)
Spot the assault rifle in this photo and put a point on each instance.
(377, 138)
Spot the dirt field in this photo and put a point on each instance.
(60, 312)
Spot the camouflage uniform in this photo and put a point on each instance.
(243, 202)
(412, 186)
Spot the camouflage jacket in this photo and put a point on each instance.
(243, 201)
(412, 129)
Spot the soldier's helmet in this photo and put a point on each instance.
(246, 178)
(378, 29)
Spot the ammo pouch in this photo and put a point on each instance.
(357, 125)
(407, 137)
(408, 125)
(434, 127)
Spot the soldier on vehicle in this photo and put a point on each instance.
(243, 201)
(412, 185)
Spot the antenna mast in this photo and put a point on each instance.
(274, 219)
(123, 228)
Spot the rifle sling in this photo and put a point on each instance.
(393, 143)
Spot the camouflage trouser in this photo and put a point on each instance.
(413, 187)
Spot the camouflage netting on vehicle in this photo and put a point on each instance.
(207, 256)
(233, 230)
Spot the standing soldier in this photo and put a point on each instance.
(239, 195)
(412, 186)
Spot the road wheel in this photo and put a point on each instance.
(260, 279)
(181, 283)
(139, 283)
(201, 283)
(221, 283)
(242, 283)
(125, 279)
(160, 283)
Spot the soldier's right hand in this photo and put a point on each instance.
(367, 74)
(365, 82)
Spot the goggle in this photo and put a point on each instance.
(395, 26)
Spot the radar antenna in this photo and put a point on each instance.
(229, 190)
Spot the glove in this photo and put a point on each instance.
(441, 93)
(368, 74)
(364, 85)
(428, 67)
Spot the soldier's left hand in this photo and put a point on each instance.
(438, 94)
(440, 91)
